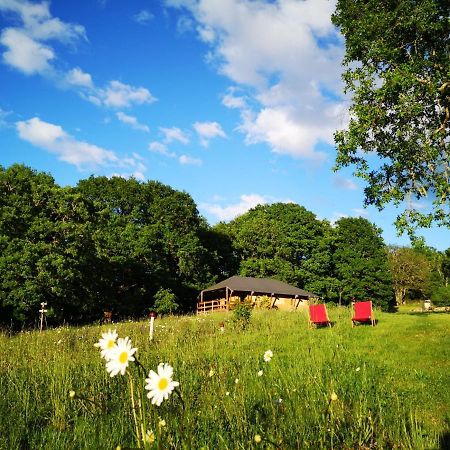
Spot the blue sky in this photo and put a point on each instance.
(232, 101)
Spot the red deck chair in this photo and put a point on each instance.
(363, 312)
(318, 315)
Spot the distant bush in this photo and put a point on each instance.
(241, 315)
(264, 302)
(165, 302)
(441, 296)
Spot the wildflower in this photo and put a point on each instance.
(59, 342)
(268, 355)
(211, 373)
(72, 394)
(160, 384)
(150, 437)
(260, 373)
(119, 356)
(162, 423)
(227, 393)
(236, 380)
(334, 396)
(358, 369)
(107, 343)
(258, 438)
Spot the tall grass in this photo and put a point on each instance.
(391, 385)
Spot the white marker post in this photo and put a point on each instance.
(152, 321)
(42, 312)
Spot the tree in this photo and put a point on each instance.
(284, 241)
(410, 270)
(165, 301)
(47, 252)
(445, 267)
(360, 262)
(398, 76)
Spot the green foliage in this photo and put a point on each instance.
(264, 302)
(242, 314)
(283, 241)
(107, 244)
(398, 77)
(410, 271)
(441, 296)
(360, 263)
(165, 301)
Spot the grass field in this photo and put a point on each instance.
(391, 385)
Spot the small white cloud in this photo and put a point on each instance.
(344, 183)
(174, 134)
(207, 131)
(336, 216)
(77, 77)
(231, 101)
(26, 47)
(121, 95)
(188, 160)
(159, 147)
(3, 116)
(247, 202)
(361, 212)
(25, 54)
(83, 155)
(132, 121)
(143, 17)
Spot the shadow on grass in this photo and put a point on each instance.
(444, 441)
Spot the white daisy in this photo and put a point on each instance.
(268, 355)
(160, 384)
(119, 356)
(106, 343)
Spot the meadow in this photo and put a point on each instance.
(382, 387)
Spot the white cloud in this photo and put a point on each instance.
(25, 54)
(336, 216)
(360, 212)
(38, 23)
(83, 155)
(188, 160)
(344, 183)
(207, 131)
(247, 202)
(285, 135)
(77, 77)
(121, 95)
(159, 147)
(231, 101)
(285, 56)
(27, 48)
(143, 17)
(132, 121)
(174, 134)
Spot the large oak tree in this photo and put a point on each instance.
(397, 75)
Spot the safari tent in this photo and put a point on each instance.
(225, 295)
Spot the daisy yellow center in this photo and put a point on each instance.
(110, 343)
(123, 357)
(163, 383)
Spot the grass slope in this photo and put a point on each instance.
(391, 383)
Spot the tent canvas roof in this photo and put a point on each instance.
(259, 285)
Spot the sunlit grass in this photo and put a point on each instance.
(381, 387)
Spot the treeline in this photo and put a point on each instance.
(117, 244)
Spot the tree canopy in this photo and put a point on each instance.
(360, 263)
(398, 77)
